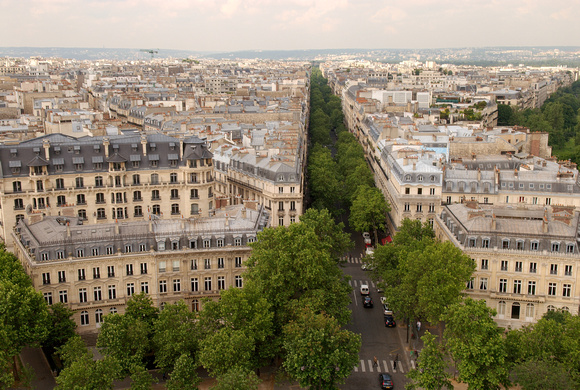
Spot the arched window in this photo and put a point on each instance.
(530, 309)
(98, 317)
(566, 309)
(195, 305)
(84, 317)
(515, 311)
(113, 310)
(551, 308)
(501, 309)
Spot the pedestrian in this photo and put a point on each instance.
(395, 363)
(418, 326)
(375, 362)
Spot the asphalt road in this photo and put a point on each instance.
(377, 340)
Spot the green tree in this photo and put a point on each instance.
(141, 379)
(226, 348)
(175, 333)
(330, 233)
(236, 378)
(140, 307)
(360, 176)
(324, 181)
(184, 375)
(125, 339)
(318, 353)
(24, 314)
(369, 211)
(81, 371)
(541, 374)
(61, 328)
(476, 345)
(431, 372)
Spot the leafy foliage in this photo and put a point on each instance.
(236, 378)
(319, 353)
(431, 372)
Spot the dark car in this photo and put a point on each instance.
(390, 321)
(386, 382)
(367, 301)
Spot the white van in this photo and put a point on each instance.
(364, 289)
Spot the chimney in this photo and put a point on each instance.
(515, 172)
(144, 144)
(244, 212)
(68, 229)
(181, 148)
(493, 222)
(478, 175)
(106, 144)
(414, 165)
(46, 146)
(117, 227)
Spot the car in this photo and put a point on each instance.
(386, 382)
(387, 310)
(390, 321)
(364, 289)
(367, 301)
(367, 267)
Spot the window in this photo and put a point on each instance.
(431, 191)
(84, 317)
(174, 209)
(533, 267)
(207, 282)
(96, 272)
(137, 196)
(570, 248)
(407, 207)
(448, 200)
(486, 200)
(520, 245)
(176, 285)
(548, 201)
(483, 284)
(81, 273)
(18, 204)
(566, 290)
(175, 265)
(174, 194)
(129, 268)
(113, 310)
(239, 281)
(138, 211)
(531, 288)
(501, 308)
(136, 180)
(79, 182)
(163, 286)
(419, 191)
(280, 190)
(503, 285)
(206, 243)
(61, 276)
(155, 195)
(80, 252)
(484, 264)
(469, 284)
(553, 269)
(193, 194)
(143, 267)
(112, 291)
(551, 307)
(63, 296)
(292, 205)
(519, 266)
(504, 265)
(173, 178)
(221, 282)
(220, 262)
(485, 243)
(130, 289)
(552, 289)
(568, 270)
(220, 242)
(156, 210)
(517, 286)
(82, 295)
(407, 190)
(97, 294)
(281, 221)
(534, 245)
(530, 311)
(238, 241)
(555, 247)
(194, 264)
(238, 262)
(195, 305)
(109, 250)
(419, 208)
(48, 298)
(431, 207)
(16, 186)
(515, 310)
(98, 316)
(101, 214)
(194, 284)
(98, 181)
(207, 263)
(145, 287)
(59, 184)
(505, 244)
(471, 242)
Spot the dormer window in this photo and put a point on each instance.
(96, 148)
(407, 177)
(57, 150)
(36, 151)
(13, 152)
(172, 146)
(152, 146)
(134, 147)
(77, 149)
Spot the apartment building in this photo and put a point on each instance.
(527, 257)
(94, 269)
(106, 178)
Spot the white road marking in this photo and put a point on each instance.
(362, 366)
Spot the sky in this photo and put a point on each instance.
(234, 25)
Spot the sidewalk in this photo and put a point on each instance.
(34, 357)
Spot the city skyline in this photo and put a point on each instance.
(230, 25)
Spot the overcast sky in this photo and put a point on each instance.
(232, 25)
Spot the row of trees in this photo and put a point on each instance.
(291, 311)
(26, 320)
(559, 116)
(343, 181)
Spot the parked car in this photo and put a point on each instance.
(390, 321)
(364, 289)
(367, 267)
(367, 301)
(387, 310)
(386, 382)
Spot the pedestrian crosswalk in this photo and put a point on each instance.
(352, 260)
(357, 283)
(367, 365)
